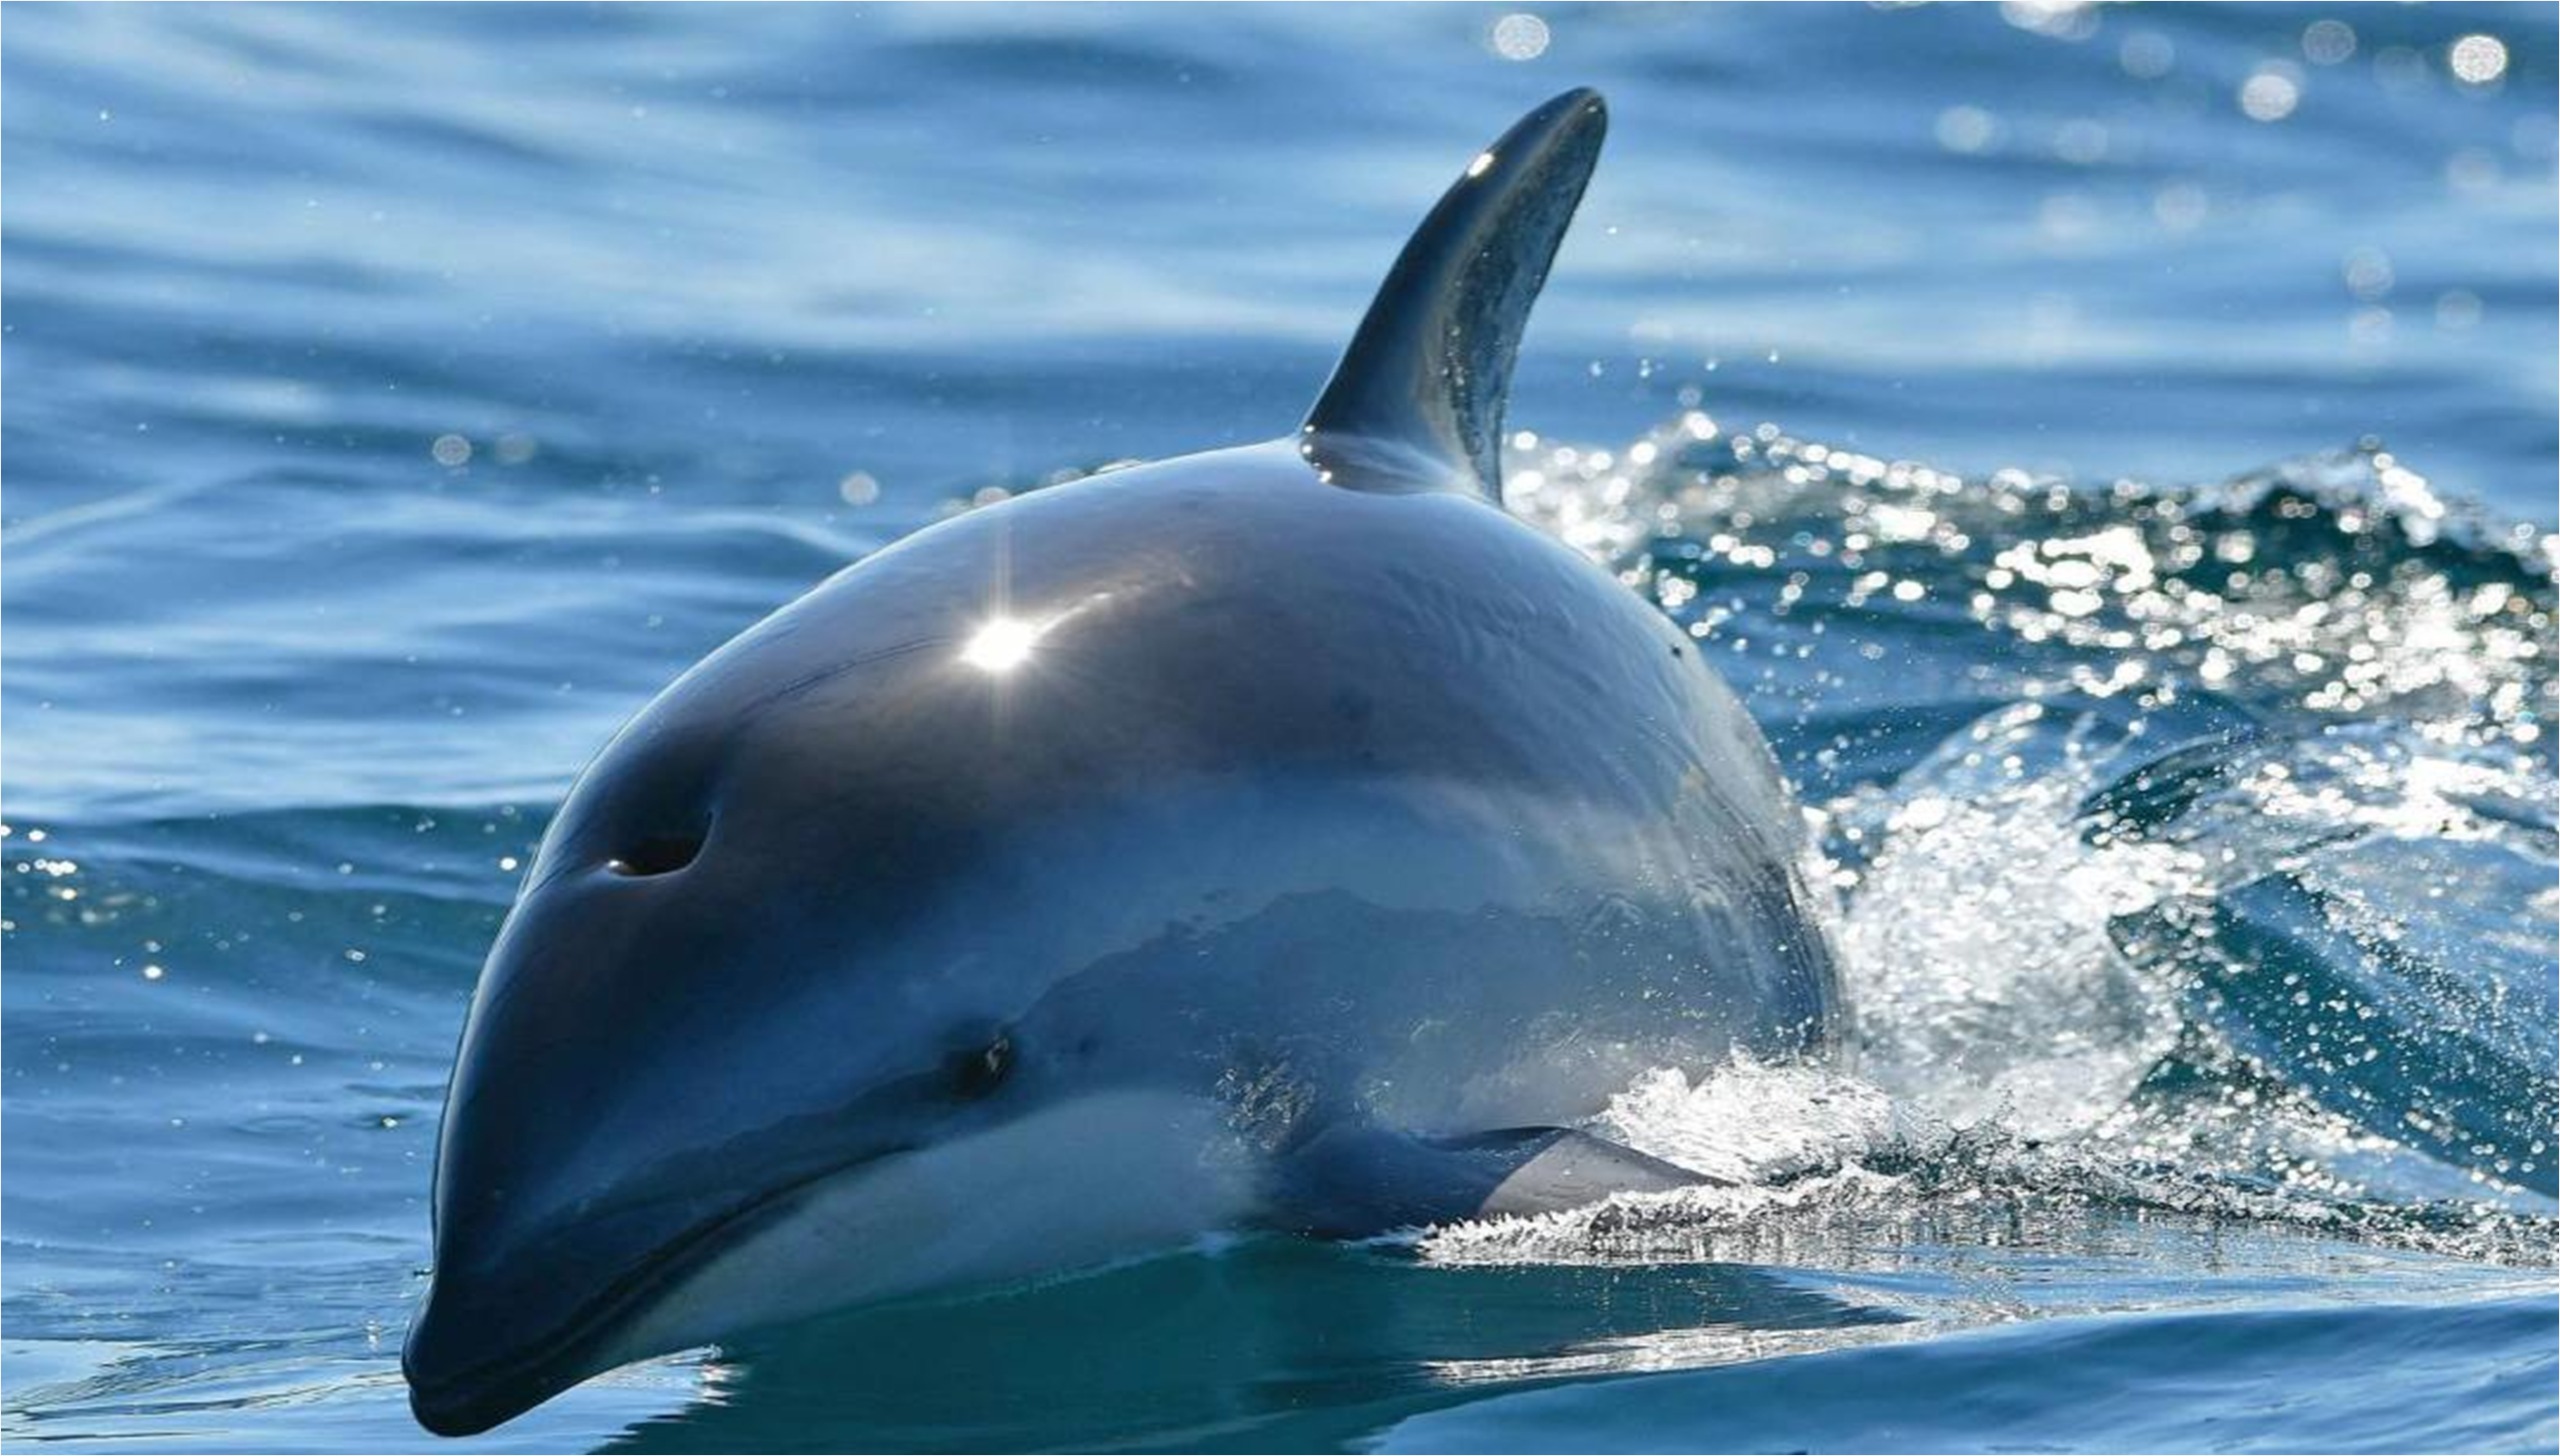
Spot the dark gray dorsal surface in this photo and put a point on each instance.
(1416, 403)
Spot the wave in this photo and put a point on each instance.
(2146, 1382)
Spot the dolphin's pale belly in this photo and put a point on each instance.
(1088, 1182)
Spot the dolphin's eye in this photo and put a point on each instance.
(659, 854)
(977, 1072)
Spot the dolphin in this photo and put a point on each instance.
(1282, 837)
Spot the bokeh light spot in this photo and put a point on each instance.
(2478, 60)
(2327, 42)
(1520, 37)
(2271, 94)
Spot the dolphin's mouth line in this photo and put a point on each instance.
(595, 1320)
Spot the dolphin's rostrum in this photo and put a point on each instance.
(1279, 837)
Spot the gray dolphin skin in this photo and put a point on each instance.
(1277, 838)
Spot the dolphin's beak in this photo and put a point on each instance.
(500, 1335)
(509, 1325)
(452, 1391)
(451, 1398)
(484, 1350)
(495, 1340)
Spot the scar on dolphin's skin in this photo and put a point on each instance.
(1282, 837)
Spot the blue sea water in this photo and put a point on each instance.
(2111, 448)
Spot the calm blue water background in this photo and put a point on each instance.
(396, 398)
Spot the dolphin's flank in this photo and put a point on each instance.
(1282, 837)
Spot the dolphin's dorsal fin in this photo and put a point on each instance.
(1416, 403)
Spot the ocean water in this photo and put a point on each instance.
(2112, 449)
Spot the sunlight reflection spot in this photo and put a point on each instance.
(1001, 645)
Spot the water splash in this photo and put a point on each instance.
(2230, 899)
(1984, 982)
(1832, 1174)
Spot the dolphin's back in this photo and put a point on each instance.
(1467, 811)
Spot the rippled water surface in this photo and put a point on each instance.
(2112, 451)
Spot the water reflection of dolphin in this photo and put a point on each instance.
(1276, 1345)
(1281, 836)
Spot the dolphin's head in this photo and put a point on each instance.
(774, 1015)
